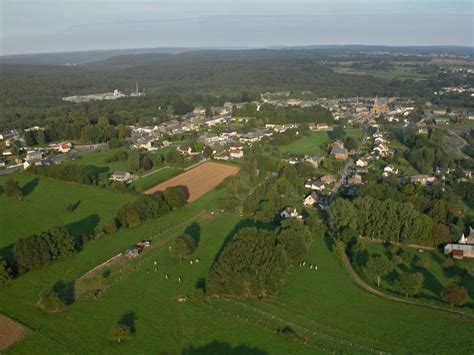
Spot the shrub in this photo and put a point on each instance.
(51, 302)
(455, 295)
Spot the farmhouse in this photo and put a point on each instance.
(121, 176)
(315, 160)
(289, 212)
(311, 199)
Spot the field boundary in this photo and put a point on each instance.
(305, 331)
(356, 279)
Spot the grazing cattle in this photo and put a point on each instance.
(179, 279)
(191, 262)
(167, 276)
(311, 267)
(304, 263)
(196, 261)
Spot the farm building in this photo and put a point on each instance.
(459, 251)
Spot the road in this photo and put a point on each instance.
(345, 169)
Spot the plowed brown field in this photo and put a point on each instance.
(199, 180)
(10, 332)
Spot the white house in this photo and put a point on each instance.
(121, 176)
(236, 152)
(289, 212)
(184, 149)
(390, 169)
(361, 163)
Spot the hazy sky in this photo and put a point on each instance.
(32, 26)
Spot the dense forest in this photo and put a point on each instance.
(31, 93)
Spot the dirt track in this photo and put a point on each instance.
(10, 332)
(199, 180)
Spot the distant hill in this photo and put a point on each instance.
(84, 57)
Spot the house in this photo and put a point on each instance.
(390, 169)
(314, 185)
(64, 147)
(236, 152)
(34, 155)
(340, 153)
(355, 180)
(311, 199)
(121, 176)
(338, 144)
(328, 179)
(289, 212)
(12, 134)
(31, 162)
(362, 163)
(323, 127)
(315, 160)
(422, 179)
(184, 149)
(441, 121)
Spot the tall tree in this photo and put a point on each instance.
(13, 190)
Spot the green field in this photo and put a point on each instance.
(324, 306)
(44, 205)
(436, 276)
(154, 178)
(98, 159)
(308, 145)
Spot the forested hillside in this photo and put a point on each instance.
(26, 90)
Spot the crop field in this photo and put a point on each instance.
(44, 205)
(308, 145)
(10, 332)
(199, 180)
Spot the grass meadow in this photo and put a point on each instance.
(323, 306)
(44, 205)
(307, 145)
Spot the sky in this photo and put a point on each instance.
(41, 26)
